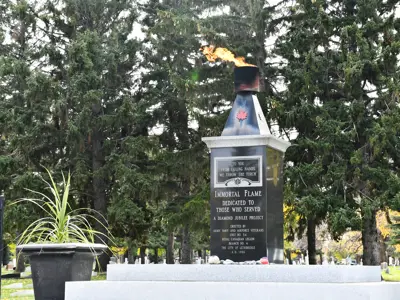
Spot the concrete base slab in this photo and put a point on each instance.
(154, 290)
(244, 273)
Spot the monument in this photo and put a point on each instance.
(246, 224)
(246, 180)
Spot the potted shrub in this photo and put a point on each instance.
(60, 245)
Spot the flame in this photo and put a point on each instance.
(213, 53)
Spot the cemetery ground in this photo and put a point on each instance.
(394, 274)
(27, 285)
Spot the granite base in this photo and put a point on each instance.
(236, 282)
(245, 273)
(155, 290)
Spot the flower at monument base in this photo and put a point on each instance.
(228, 262)
(264, 261)
(214, 260)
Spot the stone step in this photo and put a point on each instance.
(166, 290)
(244, 273)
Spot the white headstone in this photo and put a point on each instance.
(164, 261)
(287, 261)
(390, 261)
(325, 261)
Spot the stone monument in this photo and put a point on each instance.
(246, 180)
(246, 224)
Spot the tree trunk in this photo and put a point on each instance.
(131, 256)
(142, 255)
(170, 248)
(20, 264)
(312, 251)
(99, 201)
(6, 255)
(186, 250)
(156, 255)
(382, 248)
(370, 240)
(289, 256)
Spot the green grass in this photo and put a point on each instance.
(5, 293)
(394, 274)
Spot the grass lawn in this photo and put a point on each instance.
(5, 293)
(394, 274)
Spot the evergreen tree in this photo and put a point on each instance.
(103, 118)
(168, 48)
(190, 96)
(78, 111)
(342, 77)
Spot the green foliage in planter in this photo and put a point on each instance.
(61, 223)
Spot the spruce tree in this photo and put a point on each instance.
(77, 110)
(342, 76)
(166, 85)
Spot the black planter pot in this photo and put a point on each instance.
(54, 264)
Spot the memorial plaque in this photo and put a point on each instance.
(239, 171)
(238, 203)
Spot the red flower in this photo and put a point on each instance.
(241, 115)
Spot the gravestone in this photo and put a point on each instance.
(246, 180)
(13, 286)
(22, 293)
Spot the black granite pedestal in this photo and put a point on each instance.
(246, 186)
